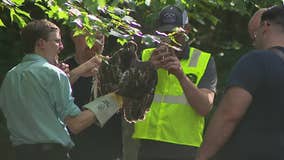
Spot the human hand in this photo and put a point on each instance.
(91, 67)
(171, 63)
(64, 67)
(158, 56)
(165, 57)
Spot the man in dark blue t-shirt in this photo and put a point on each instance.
(248, 122)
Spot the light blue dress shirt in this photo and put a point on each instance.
(35, 97)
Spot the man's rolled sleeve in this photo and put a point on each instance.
(64, 102)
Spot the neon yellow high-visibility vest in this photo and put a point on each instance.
(171, 119)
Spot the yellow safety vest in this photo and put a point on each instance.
(171, 119)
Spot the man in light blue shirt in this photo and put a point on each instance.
(36, 100)
(49, 110)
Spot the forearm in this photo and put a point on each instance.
(75, 74)
(218, 132)
(224, 121)
(200, 99)
(87, 69)
(78, 123)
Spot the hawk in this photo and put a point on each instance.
(131, 78)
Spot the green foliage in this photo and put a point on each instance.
(18, 2)
(17, 18)
(2, 24)
(16, 14)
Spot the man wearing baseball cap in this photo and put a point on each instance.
(184, 94)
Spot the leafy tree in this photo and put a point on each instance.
(112, 16)
(212, 21)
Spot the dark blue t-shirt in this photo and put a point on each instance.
(260, 134)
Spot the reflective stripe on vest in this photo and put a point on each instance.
(170, 99)
(194, 58)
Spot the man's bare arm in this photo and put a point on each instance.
(227, 116)
(201, 99)
(87, 69)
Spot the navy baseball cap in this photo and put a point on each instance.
(171, 17)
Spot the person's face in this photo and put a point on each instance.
(82, 48)
(53, 46)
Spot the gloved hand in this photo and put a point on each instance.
(105, 107)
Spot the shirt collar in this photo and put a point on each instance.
(33, 57)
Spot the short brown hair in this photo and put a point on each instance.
(35, 30)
